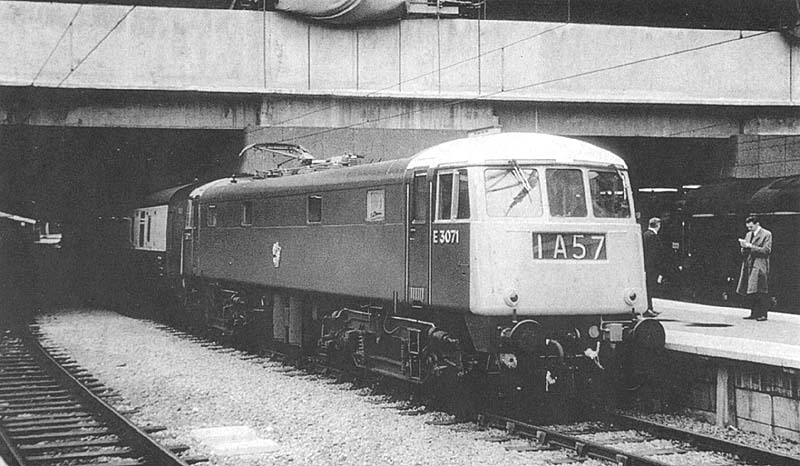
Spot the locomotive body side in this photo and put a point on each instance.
(312, 233)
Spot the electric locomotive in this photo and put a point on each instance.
(512, 254)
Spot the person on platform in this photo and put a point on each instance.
(754, 277)
(652, 261)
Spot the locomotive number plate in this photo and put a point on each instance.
(446, 237)
(575, 246)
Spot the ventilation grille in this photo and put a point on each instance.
(416, 294)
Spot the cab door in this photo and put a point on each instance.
(450, 239)
(418, 232)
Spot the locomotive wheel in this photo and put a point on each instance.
(638, 368)
(196, 312)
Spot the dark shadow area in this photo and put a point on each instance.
(706, 14)
(85, 180)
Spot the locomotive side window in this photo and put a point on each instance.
(609, 196)
(189, 215)
(247, 213)
(376, 205)
(195, 214)
(142, 215)
(513, 192)
(314, 209)
(566, 192)
(211, 218)
(462, 211)
(452, 195)
(444, 196)
(419, 198)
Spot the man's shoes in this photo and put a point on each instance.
(649, 313)
(751, 317)
(761, 319)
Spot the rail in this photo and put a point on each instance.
(47, 415)
(745, 452)
(545, 436)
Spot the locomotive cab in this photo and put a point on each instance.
(541, 255)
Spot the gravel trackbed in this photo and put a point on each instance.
(181, 385)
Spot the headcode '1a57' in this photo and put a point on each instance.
(575, 246)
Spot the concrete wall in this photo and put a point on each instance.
(126, 109)
(374, 144)
(244, 51)
(375, 113)
(378, 129)
(751, 397)
(767, 156)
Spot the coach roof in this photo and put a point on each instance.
(373, 174)
(482, 150)
(523, 147)
(162, 197)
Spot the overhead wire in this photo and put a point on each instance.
(82, 60)
(636, 62)
(438, 70)
(530, 85)
(58, 42)
(428, 73)
(97, 45)
(699, 128)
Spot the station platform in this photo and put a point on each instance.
(733, 371)
(722, 332)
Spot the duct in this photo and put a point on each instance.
(345, 11)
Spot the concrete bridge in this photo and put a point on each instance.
(385, 87)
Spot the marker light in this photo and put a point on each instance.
(630, 296)
(511, 297)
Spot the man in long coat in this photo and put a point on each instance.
(753, 280)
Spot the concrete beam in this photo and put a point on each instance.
(318, 112)
(339, 114)
(621, 120)
(786, 125)
(65, 107)
(163, 49)
(307, 116)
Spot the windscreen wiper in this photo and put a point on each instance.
(526, 187)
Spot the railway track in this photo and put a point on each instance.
(611, 438)
(629, 441)
(745, 452)
(652, 443)
(53, 413)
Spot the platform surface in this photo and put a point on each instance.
(723, 333)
